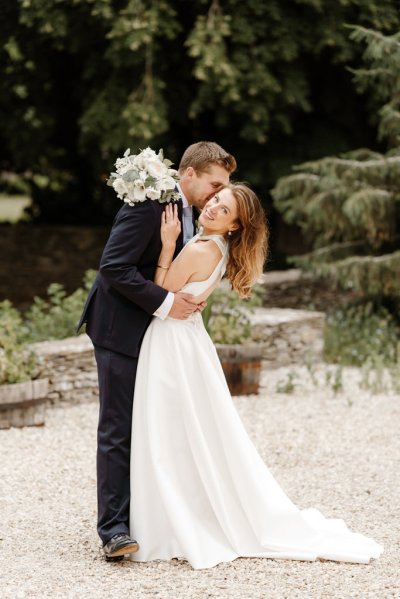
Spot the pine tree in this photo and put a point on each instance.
(348, 207)
(83, 80)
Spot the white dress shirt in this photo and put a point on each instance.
(187, 221)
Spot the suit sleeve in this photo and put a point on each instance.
(131, 234)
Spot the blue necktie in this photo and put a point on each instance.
(187, 218)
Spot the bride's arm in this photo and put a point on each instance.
(170, 229)
(182, 268)
(172, 275)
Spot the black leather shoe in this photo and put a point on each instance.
(119, 545)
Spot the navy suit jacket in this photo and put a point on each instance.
(123, 297)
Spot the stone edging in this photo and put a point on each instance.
(284, 335)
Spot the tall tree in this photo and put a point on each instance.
(84, 79)
(349, 206)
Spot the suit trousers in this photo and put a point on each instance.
(117, 373)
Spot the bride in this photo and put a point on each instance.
(199, 489)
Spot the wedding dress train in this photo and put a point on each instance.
(199, 489)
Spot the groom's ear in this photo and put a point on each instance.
(190, 172)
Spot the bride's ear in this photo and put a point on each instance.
(234, 227)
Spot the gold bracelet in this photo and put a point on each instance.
(163, 267)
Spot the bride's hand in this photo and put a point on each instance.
(170, 226)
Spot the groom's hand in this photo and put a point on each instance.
(183, 306)
(201, 306)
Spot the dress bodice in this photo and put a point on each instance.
(198, 287)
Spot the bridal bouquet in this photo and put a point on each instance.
(143, 176)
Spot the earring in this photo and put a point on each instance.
(229, 233)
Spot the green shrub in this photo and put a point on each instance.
(226, 316)
(17, 362)
(57, 316)
(362, 333)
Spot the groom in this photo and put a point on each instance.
(117, 313)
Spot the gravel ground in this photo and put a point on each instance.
(338, 453)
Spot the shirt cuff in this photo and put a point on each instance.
(163, 311)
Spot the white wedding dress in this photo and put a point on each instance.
(199, 489)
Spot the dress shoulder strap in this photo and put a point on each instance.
(218, 239)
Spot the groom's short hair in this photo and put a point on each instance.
(203, 154)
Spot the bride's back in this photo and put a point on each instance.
(211, 252)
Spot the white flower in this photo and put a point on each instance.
(166, 183)
(148, 153)
(119, 186)
(139, 191)
(143, 158)
(124, 168)
(153, 194)
(140, 162)
(138, 169)
(130, 187)
(156, 168)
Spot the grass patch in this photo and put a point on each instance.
(12, 208)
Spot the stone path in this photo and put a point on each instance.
(337, 453)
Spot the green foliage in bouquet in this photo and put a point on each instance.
(227, 317)
(17, 362)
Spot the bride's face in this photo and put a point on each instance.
(219, 215)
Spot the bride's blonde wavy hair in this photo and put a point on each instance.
(248, 245)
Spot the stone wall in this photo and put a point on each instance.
(297, 290)
(288, 336)
(284, 335)
(71, 368)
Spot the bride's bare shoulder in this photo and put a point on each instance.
(202, 249)
(200, 258)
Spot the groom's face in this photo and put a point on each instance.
(201, 187)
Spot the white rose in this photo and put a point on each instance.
(120, 188)
(120, 163)
(156, 168)
(139, 191)
(153, 194)
(140, 162)
(148, 153)
(124, 168)
(130, 191)
(166, 183)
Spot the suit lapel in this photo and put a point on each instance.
(179, 241)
